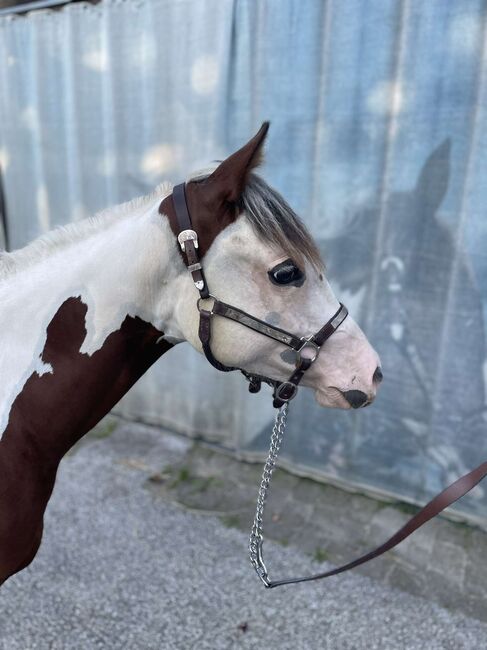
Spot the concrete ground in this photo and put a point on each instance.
(133, 557)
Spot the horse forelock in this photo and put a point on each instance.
(272, 219)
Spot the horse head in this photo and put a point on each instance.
(257, 254)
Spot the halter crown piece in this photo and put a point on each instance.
(307, 349)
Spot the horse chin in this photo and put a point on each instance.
(331, 397)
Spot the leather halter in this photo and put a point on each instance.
(307, 348)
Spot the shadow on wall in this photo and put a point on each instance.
(427, 426)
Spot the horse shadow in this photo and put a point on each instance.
(407, 281)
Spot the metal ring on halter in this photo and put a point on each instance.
(282, 387)
(310, 344)
(210, 295)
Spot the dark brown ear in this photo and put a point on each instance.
(212, 202)
(229, 178)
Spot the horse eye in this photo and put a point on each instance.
(285, 273)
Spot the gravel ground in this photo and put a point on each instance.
(120, 567)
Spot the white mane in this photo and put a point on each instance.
(64, 236)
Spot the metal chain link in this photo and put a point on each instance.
(256, 540)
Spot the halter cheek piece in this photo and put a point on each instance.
(307, 348)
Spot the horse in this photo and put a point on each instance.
(89, 307)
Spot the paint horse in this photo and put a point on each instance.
(87, 309)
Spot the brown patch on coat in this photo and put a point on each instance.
(212, 202)
(53, 411)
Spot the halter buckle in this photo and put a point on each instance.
(286, 385)
(187, 235)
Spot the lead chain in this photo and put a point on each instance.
(256, 535)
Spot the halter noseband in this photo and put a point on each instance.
(307, 348)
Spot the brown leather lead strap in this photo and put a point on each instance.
(449, 495)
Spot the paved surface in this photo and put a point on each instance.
(123, 567)
(444, 561)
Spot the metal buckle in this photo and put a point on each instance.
(187, 235)
(283, 386)
(310, 344)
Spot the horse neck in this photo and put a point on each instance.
(81, 328)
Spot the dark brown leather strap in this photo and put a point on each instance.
(204, 333)
(443, 500)
(188, 245)
(331, 326)
(181, 207)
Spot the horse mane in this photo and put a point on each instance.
(64, 236)
(271, 217)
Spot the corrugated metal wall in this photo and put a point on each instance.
(378, 139)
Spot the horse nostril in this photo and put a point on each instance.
(356, 398)
(378, 376)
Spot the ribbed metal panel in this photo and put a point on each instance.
(378, 139)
